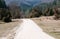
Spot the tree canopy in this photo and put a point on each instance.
(2, 4)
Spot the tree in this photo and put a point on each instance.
(46, 13)
(56, 13)
(2, 7)
(2, 4)
(35, 13)
(5, 15)
(49, 12)
(15, 10)
(55, 2)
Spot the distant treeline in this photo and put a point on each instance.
(37, 12)
(13, 12)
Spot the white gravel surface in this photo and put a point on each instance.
(30, 30)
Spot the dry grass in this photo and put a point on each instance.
(50, 26)
(6, 28)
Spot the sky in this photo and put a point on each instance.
(25, 4)
(9, 1)
(47, 0)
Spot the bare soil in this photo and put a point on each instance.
(7, 28)
(49, 25)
